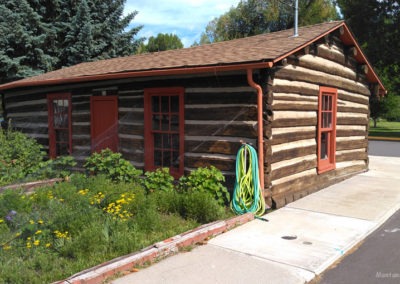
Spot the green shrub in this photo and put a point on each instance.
(202, 207)
(59, 167)
(195, 205)
(208, 180)
(112, 165)
(160, 179)
(20, 156)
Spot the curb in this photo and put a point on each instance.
(156, 252)
(379, 138)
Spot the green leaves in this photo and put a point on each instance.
(208, 180)
(161, 42)
(159, 180)
(113, 166)
(252, 17)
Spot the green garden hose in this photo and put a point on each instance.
(247, 196)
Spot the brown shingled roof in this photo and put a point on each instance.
(264, 48)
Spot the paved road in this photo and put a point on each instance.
(376, 261)
(384, 148)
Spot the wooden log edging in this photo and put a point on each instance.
(29, 186)
(155, 252)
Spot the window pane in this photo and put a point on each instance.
(166, 141)
(166, 159)
(324, 146)
(155, 102)
(157, 140)
(165, 122)
(174, 104)
(62, 149)
(175, 159)
(165, 104)
(326, 120)
(175, 141)
(61, 135)
(158, 158)
(156, 122)
(174, 123)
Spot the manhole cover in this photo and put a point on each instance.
(289, 237)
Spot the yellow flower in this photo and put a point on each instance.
(31, 222)
(28, 245)
(18, 234)
(36, 242)
(48, 245)
(1, 221)
(83, 191)
(38, 232)
(28, 238)
(61, 199)
(40, 222)
(6, 247)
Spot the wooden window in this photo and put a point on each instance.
(327, 129)
(164, 129)
(60, 126)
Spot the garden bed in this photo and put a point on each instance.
(80, 220)
(60, 230)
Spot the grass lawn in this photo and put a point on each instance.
(385, 129)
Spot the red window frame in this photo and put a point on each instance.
(161, 132)
(54, 141)
(326, 144)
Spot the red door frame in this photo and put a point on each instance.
(329, 163)
(93, 99)
(52, 134)
(148, 131)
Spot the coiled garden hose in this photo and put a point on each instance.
(247, 196)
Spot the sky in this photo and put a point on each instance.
(185, 18)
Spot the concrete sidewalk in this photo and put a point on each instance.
(298, 242)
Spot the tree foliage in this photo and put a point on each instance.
(252, 17)
(160, 43)
(42, 35)
(376, 24)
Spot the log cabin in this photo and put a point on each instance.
(301, 101)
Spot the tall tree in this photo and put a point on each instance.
(42, 35)
(252, 17)
(161, 42)
(375, 24)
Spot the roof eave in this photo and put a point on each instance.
(348, 39)
(142, 73)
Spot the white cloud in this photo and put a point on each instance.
(185, 18)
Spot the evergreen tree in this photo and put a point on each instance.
(42, 35)
(22, 52)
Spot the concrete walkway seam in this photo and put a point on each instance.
(155, 252)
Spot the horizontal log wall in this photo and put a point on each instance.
(295, 110)
(220, 112)
(28, 114)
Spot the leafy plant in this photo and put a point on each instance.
(20, 156)
(208, 180)
(160, 179)
(59, 167)
(112, 165)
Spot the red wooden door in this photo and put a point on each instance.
(104, 123)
